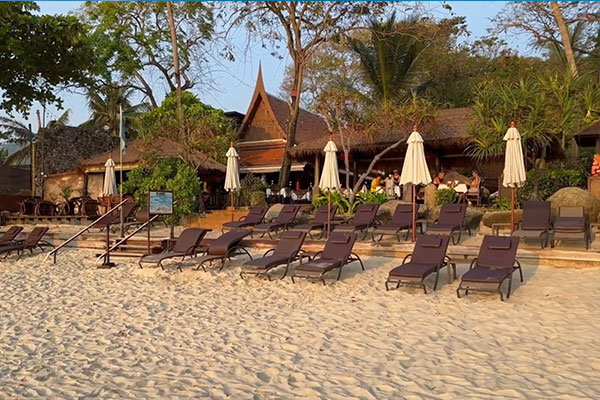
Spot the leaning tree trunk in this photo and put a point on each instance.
(286, 165)
(566, 39)
(176, 65)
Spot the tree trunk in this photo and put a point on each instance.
(286, 165)
(566, 39)
(175, 65)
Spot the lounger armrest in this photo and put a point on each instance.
(190, 250)
(406, 258)
(319, 253)
(243, 218)
(293, 256)
(267, 252)
(472, 264)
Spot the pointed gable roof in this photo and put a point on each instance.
(309, 127)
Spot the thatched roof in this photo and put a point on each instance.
(161, 147)
(588, 136)
(448, 131)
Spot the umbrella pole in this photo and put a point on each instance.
(231, 201)
(328, 213)
(512, 209)
(414, 216)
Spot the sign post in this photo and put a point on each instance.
(160, 202)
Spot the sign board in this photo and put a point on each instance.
(160, 202)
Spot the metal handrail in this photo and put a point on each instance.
(126, 238)
(81, 232)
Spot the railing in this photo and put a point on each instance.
(81, 232)
(126, 238)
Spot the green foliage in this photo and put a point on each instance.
(369, 198)
(40, 54)
(500, 204)
(66, 192)
(543, 183)
(3, 156)
(167, 174)
(206, 129)
(252, 187)
(337, 199)
(446, 196)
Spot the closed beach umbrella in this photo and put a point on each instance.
(415, 171)
(110, 181)
(232, 176)
(330, 179)
(514, 167)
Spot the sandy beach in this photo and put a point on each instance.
(71, 331)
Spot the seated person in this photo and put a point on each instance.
(376, 184)
(475, 182)
(439, 179)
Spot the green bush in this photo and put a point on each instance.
(369, 198)
(543, 183)
(167, 174)
(337, 199)
(446, 196)
(500, 204)
(250, 185)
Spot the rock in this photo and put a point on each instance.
(500, 217)
(384, 214)
(473, 216)
(455, 176)
(430, 196)
(576, 197)
(274, 211)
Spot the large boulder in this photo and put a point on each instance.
(273, 211)
(500, 217)
(576, 197)
(430, 196)
(455, 176)
(386, 210)
(472, 216)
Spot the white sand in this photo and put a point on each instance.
(72, 331)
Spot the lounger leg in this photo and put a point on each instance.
(160, 265)
(520, 269)
(359, 260)
(458, 292)
(424, 287)
(293, 281)
(437, 275)
(339, 274)
(509, 286)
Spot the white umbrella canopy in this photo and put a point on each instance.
(110, 181)
(514, 167)
(330, 178)
(232, 176)
(415, 171)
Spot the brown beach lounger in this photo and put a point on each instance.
(401, 220)
(114, 218)
(571, 224)
(186, 245)
(319, 222)
(284, 220)
(287, 251)
(451, 219)
(10, 235)
(496, 262)
(255, 216)
(429, 256)
(535, 222)
(337, 254)
(363, 219)
(224, 247)
(141, 217)
(32, 241)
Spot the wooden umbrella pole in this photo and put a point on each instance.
(414, 216)
(231, 200)
(328, 213)
(512, 209)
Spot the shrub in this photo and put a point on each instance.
(167, 174)
(543, 183)
(446, 196)
(337, 199)
(250, 185)
(369, 198)
(500, 204)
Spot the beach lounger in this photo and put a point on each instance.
(571, 224)
(429, 256)
(495, 263)
(140, 218)
(287, 251)
(186, 245)
(337, 254)
(10, 235)
(363, 219)
(223, 248)
(114, 218)
(451, 219)
(319, 222)
(32, 241)
(401, 220)
(535, 222)
(283, 221)
(255, 216)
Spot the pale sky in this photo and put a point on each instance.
(235, 80)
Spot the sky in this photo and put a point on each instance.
(234, 81)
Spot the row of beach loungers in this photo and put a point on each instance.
(9, 244)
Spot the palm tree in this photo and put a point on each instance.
(104, 104)
(389, 59)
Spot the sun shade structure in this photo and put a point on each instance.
(232, 175)
(514, 167)
(110, 181)
(330, 179)
(415, 171)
